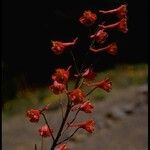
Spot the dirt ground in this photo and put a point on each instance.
(121, 124)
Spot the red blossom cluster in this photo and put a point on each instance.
(101, 35)
(78, 100)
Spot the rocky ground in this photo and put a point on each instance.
(121, 124)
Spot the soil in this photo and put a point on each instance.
(121, 124)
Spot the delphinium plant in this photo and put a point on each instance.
(78, 99)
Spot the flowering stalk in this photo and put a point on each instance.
(76, 98)
(63, 122)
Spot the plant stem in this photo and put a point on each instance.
(71, 121)
(47, 125)
(91, 91)
(85, 56)
(35, 147)
(69, 106)
(74, 117)
(69, 136)
(61, 126)
(74, 60)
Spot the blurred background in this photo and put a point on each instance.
(28, 63)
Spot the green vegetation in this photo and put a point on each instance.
(126, 75)
(122, 77)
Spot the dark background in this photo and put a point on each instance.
(28, 26)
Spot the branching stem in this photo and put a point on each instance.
(68, 137)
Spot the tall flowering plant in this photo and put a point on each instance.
(77, 99)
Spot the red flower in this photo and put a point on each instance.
(61, 75)
(44, 131)
(59, 47)
(105, 84)
(62, 147)
(33, 115)
(121, 11)
(57, 87)
(86, 107)
(88, 74)
(120, 25)
(76, 96)
(100, 36)
(88, 18)
(87, 125)
(111, 49)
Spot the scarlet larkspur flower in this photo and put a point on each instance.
(87, 107)
(105, 84)
(61, 75)
(87, 125)
(87, 74)
(100, 36)
(121, 11)
(120, 25)
(76, 96)
(57, 87)
(62, 147)
(88, 18)
(58, 47)
(44, 131)
(111, 49)
(33, 115)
